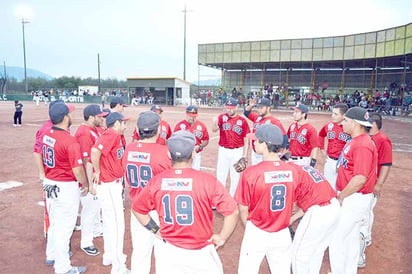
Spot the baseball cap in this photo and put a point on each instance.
(264, 102)
(118, 100)
(302, 108)
(231, 103)
(192, 110)
(148, 120)
(181, 144)
(267, 133)
(156, 107)
(107, 111)
(94, 110)
(58, 111)
(359, 115)
(113, 117)
(55, 102)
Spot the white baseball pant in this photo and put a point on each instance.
(366, 228)
(63, 215)
(256, 158)
(90, 210)
(225, 161)
(171, 259)
(142, 242)
(110, 196)
(313, 236)
(257, 244)
(344, 249)
(197, 158)
(330, 172)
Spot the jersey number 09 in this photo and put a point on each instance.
(139, 176)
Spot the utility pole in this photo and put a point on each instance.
(23, 22)
(98, 72)
(185, 11)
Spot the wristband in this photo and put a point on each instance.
(312, 162)
(152, 226)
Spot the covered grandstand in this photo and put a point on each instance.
(329, 65)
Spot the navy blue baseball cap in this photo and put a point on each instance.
(181, 144)
(93, 110)
(231, 103)
(118, 101)
(58, 111)
(192, 110)
(55, 102)
(359, 115)
(264, 102)
(113, 117)
(302, 108)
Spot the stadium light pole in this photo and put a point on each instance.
(23, 22)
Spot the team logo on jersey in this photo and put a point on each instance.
(199, 127)
(284, 176)
(163, 128)
(100, 146)
(47, 140)
(120, 152)
(182, 126)
(225, 118)
(330, 126)
(239, 122)
(177, 184)
(138, 157)
(198, 134)
(304, 131)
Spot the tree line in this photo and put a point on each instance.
(64, 82)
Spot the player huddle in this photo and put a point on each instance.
(173, 201)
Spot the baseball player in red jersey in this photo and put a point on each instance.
(262, 116)
(384, 148)
(333, 131)
(303, 138)
(164, 129)
(64, 170)
(233, 143)
(117, 104)
(198, 129)
(108, 174)
(86, 135)
(316, 202)
(141, 161)
(183, 198)
(265, 196)
(355, 184)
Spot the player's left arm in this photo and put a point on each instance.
(383, 175)
(80, 175)
(229, 225)
(243, 213)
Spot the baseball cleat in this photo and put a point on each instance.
(91, 250)
(362, 261)
(49, 262)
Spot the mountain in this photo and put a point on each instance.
(18, 73)
(209, 82)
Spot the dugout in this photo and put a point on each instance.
(159, 90)
(365, 61)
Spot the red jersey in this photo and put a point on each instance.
(86, 136)
(384, 148)
(233, 130)
(111, 146)
(302, 139)
(259, 120)
(100, 130)
(164, 134)
(313, 188)
(39, 136)
(142, 161)
(198, 129)
(336, 139)
(268, 188)
(61, 153)
(360, 157)
(183, 198)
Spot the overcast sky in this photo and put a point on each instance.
(145, 38)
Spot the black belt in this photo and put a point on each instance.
(333, 158)
(297, 157)
(231, 147)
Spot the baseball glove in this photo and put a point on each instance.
(51, 191)
(240, 165)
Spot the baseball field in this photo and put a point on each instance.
(22, 246)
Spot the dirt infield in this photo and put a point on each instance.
(22, 246)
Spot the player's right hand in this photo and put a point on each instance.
(217, 240)
(84, 190)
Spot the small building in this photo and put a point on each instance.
(159, 90)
